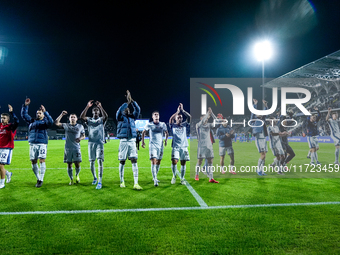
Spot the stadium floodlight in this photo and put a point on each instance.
(263, 51)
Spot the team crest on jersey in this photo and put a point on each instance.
(179, 131)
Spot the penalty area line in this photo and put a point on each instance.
(169, 208)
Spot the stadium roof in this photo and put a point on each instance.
(322, 74)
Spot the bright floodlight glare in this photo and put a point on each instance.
(263, 50)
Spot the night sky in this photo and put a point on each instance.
(63, 53)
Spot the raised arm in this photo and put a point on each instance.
(15, 118)
(120, 111)
(255, 107)
(136, 109)
(104, 114)
(57, 120)
(308, 116)
(207, 116)
(265, 107)
(319, 114)
(83, 114)
(185, 113)
(49, 121)
(173, 116)
(128, 97)
(265, 104)
(24, 111)
(328, 113)
(213, 115)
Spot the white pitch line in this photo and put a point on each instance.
(169, 208)
(193, 192)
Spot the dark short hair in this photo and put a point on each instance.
(154, 112)
(74, 114)
(95, 108)
(6, 114)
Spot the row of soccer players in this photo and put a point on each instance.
(277, 139)
(312, 132)
(74, 133)
(205, 140)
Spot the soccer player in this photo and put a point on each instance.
(156, 130)
(260, 133)
(312, 132)
(37, 138)
(96, 141)
(179, 142)
(225, 135)
(284, 133)
(126, 132)
(335, 132)
(7, 133)
(205, 145)
(275, 144)
(242, 137)
(108, 136)
(235, 137)
(74, 133)
(304, 127)
(138, 137)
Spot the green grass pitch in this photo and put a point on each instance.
(310, 229)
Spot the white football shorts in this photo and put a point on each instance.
(96, 151)
(38, 151)
(127, 149)
(156, 152)
(312, 142)
(180, 153)
(5, 156)
(224, 150)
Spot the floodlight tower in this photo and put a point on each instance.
(263, 51)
